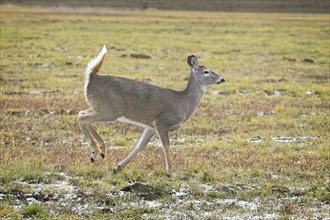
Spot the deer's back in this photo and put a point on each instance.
(132, 99)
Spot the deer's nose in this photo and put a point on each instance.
(222, 80)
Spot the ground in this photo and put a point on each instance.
(257, 148)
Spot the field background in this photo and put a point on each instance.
(315, 6)
(258, 147)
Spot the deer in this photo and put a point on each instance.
(156, 109)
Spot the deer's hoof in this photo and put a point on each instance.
(117, 169)
(92, 159)
(169, 175)
(102, 155)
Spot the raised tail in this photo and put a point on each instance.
(93, 67)
(95, 64)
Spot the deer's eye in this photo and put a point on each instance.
(206, 72)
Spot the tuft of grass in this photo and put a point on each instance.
(134, 212)
(22, 172)
(35, 210)
(9, 212)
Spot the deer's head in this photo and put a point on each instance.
(202, 74)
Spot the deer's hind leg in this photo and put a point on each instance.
(98, 138)
(85, 120)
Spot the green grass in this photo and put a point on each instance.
(43, 56)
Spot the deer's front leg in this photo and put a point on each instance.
(145, 138)
(163, 135)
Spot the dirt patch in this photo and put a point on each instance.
(144, 191)
(271, 80)
(137, 56)
(308, 60)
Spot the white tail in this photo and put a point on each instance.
(158, 110)
(93, 68)
(95, 64)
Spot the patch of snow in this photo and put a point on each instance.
(179, 140)
(60, 185)
(255, 140)
(116, 148)
(266, 216)
(308, 138)
(31, 200)
(277, 93)
(274, 176)
(153, 204)
(309, 92)
(82, 209)
(248, 205)
(243, 204)
(182, 192)
(260, 114)
(225, 201)
(155, 141)
(284, 139)
(197, 202)
(214, 92)
(294, 139)
(208, 188)
(70, 196)
(130, 204)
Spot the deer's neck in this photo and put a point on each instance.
(192, 96)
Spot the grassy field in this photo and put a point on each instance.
(257, 148)
(307, 6)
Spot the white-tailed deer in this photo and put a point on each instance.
(158, 110)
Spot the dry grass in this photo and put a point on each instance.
(276, 68)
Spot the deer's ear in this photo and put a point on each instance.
(192, 61)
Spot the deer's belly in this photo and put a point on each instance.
(129, 121)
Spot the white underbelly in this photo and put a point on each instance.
(126, 120)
